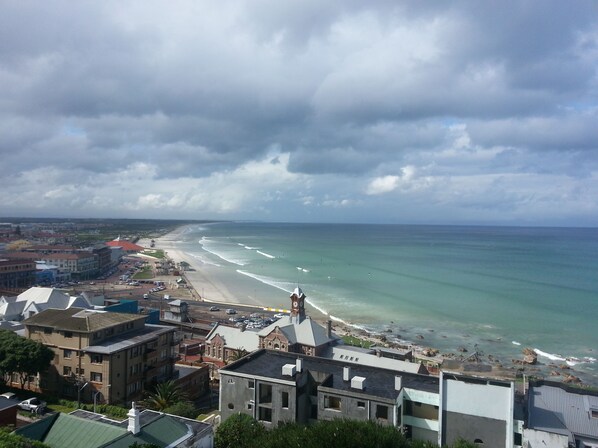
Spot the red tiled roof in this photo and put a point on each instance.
(126, 245)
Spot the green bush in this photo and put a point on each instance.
(182, 409)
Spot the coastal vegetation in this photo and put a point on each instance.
(242, 431)
(356, 342)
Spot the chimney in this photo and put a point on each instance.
(329, 328)
(346, 373)
(134, 426)
(299, 365)
(398, 383)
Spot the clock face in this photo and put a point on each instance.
(295, 304)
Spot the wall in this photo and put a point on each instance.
(541, 439)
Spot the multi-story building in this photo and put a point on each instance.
(112, 357)
(16, 273)
(275, 386)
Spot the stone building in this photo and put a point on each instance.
(114, 355)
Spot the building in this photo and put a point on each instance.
(112, 356)
(274, 387)
(8, 411)
(17, 273)
(295, 333)
(35, 300)
(561, 416)
(126, 246)
(83, 429)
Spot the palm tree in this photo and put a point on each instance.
(165, 395)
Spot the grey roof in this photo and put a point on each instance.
(80, 320)
(379, 382)
(366, 357)
(129, 339)
(554, 409)
(235, 338)
(308, 332)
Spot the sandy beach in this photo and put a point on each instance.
(209, 285)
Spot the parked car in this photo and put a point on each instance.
(33, 405)
(231, 311)
(9, 395)
(214, 308)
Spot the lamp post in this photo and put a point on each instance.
(79, 389)
(95, 396)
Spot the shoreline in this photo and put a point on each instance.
(203, 279)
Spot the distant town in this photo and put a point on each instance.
(104, 342)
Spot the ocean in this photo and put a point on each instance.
(491, 289)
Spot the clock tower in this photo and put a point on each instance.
(297, 306)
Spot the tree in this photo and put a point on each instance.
(9, 440)
(236, 355)
(239, 431)
(165, 395)
(182, 409)
(23, 357)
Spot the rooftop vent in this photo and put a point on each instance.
(299, 365)
(346, 373)
(398, 382)
(288, 370)
(358, 382)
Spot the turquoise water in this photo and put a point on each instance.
(494, 287)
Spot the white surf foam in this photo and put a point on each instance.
(228, 259)
(203, 259)
(265, 254)
(265, 280)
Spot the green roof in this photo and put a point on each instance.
(162, 431)
(74, 432)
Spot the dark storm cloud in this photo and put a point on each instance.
(400, 96)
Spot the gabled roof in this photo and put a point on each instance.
(80, 320)
(82, 429)
(235, 338)
(67, 430)
(557, 410)
(308, 332)
(51, 296)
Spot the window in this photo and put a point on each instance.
(331, 402)
(80, 371)
(382, 412)
(361, 404)
(285, 399)
(96, 359)
(249, 406)
(251, 384)
(47, 330)
(96, 377)
(68, 334)
(265, 394)
(66, 370)
(67, 353)
(265, 415)
(594, 413)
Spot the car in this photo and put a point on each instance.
(33, 405)
(279, 315)
(214, 308)
(231, 311)
(9, 395)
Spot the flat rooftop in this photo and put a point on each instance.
(379, 382)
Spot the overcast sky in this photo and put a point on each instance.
(335, 111)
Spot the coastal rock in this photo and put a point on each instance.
(554, 373)
(462, 349)
(419, 336)
(564, 367)
(429, 352)
(530, 356)
(571, 379)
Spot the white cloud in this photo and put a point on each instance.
(384, 184)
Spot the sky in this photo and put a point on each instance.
(301, 111)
